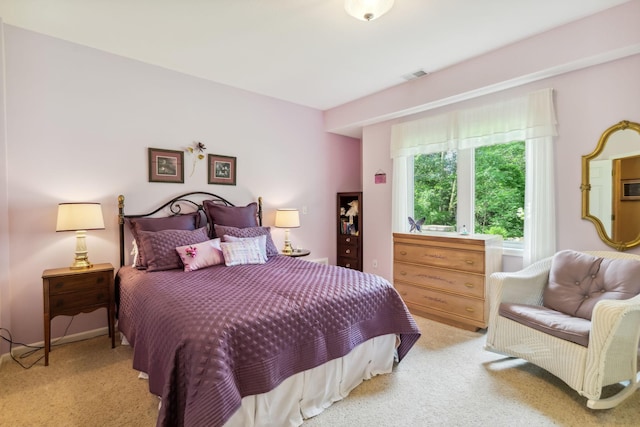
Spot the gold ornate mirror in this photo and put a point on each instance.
(611, 186)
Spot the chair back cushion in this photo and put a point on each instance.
(577, 281)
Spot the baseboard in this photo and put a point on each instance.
(17, 351)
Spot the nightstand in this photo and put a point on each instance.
(69, 292)
(299, 252)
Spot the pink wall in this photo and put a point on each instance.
(79, 123)
(592, 64)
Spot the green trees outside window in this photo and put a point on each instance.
(499, 189)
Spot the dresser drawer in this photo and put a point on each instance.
(81, 282)
(348, 240)
(353, 263)
(348, 251)
(453, 281)
(444, 303)
(440, 257)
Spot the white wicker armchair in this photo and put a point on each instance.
(612, 354)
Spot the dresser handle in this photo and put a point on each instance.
(348, 251)
(348, 265)
(469, 285)
(348, 239)
(403, 252)
(403, 273)
(468, 261)
(469, 309)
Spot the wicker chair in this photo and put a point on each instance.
(611, 353)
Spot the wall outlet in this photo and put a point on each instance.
(375, 263)
(304, 210)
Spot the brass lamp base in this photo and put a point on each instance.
(81, 264)
(81, 260)
(288, 249)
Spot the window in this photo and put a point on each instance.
(529, 118)
(481, 189)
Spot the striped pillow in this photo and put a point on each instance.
(246, 251)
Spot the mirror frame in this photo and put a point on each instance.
(586, 186)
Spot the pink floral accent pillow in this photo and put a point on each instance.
(200, 255)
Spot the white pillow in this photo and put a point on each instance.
(262, 242)
(244, 251)
(201, 255)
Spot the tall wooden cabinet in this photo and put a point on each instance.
(349, 215)
(443, 276)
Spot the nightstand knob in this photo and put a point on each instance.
(348, 251)
(348, 265)
(348, 239)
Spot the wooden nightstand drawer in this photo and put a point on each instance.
(78, 283)
(84, 301)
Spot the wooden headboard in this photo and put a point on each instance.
(174, 206)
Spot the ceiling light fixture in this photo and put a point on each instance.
(367, 10)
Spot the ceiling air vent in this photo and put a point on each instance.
(415, 75)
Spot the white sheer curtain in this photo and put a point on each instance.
(529, 118)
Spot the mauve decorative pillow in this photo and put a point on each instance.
(271, 249)
(189, 221)
(232, 216)
(201, 255)
(160, 246)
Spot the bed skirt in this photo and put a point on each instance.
(308, 393)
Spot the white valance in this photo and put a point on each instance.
(523, 118)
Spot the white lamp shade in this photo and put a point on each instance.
(79, 216)
(287, 218)
(367, 10)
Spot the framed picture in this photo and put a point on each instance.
(222, 169)
(166, 165)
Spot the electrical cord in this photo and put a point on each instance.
(33, 350)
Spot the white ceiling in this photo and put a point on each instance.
(309, 52)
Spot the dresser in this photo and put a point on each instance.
(443, 276)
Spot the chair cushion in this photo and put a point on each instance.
(577, 281)
(560, 325)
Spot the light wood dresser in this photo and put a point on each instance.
(443, 276)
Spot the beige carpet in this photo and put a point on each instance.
(446, 379)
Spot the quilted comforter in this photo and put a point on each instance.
(209, 337)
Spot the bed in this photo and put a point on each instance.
(267, 340)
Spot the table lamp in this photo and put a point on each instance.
(287, 218)
(80, 217)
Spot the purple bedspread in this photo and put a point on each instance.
(210, 337)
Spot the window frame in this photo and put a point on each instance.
(465, 213)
